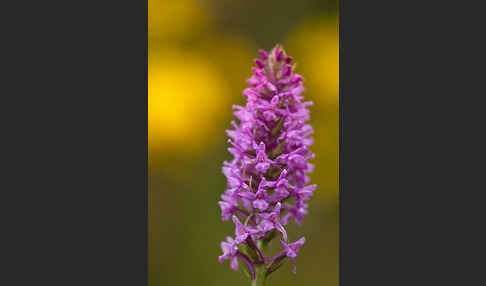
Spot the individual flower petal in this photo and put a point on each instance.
(271, 221)
(242, 232)
(260, 204)
(292, 249)
(229, 248)
(226, 210)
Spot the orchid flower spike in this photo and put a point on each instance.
(268, 177)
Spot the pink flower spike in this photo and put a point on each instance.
(269, 141)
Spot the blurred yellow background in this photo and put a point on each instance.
(200, 54)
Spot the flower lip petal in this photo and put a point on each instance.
(260, 204)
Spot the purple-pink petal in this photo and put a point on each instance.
(260, 204)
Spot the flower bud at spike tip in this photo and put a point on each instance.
(287, 70)
(267, 179)
(263, 54)
(259, 63)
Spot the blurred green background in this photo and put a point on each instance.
(200, 54)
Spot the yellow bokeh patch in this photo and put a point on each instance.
(186, 96)
(316, 46)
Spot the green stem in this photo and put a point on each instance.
(260, 275)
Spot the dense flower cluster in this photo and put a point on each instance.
(267, 179)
